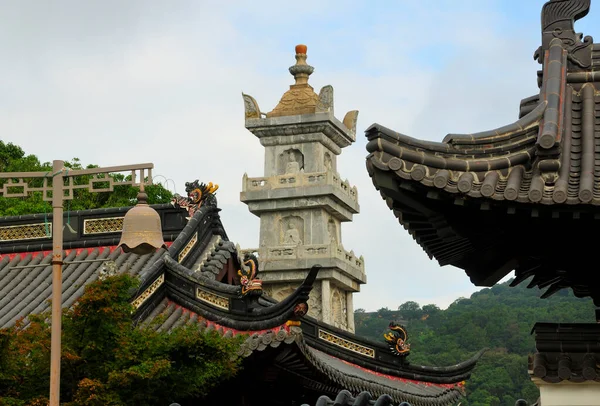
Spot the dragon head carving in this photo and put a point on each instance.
(397, 339)
(247, 273)
(198, 194)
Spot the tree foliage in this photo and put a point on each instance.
(14, 159)
(499, 318)
(106, 360)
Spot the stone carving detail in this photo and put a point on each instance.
(332, 231)
(315, 307)
(347, 344)
(280, 292)
(328, 162)
(339, 308)
(251, 106)
(350, 120)
(291, 161)
(325, 99)
(292, 230)
(103, 225)
(149, 291)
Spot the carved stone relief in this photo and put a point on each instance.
(291, 230)
(314, 302)
(332, 231)
(339, 308)
(290, 161)
(280, 292)
(328, 162)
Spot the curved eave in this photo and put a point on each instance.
(350, 376)
(327, 368)
(474, 165)
(224, 304)
(373, 355)
(376, 355)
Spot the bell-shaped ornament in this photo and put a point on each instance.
(142, 232)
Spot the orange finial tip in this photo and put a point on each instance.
(301, 49)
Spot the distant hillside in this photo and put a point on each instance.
(499, 318)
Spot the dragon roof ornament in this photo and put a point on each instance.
(198, 194)
(558, 21)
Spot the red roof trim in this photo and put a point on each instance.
(226, 329)
(78, 251)
(395, 378)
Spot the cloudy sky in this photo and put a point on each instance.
(123, 82)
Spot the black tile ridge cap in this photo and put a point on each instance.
(300, 295)
(499, 134)
(567, 326)
(544, 327)
(376, 131)
(445, 375)
(68, 245)
(103, 210)
(345, 380)
(521, 154)
(345, 398)
(439, 375)
(240, 322)
(281, 311)
(182, 239)
(203, 281)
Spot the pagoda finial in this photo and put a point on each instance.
(301, 98)
(301, 70)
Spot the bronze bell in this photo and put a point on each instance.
(142, 233)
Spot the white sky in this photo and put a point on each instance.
(115, 83)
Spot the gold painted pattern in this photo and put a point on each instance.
(25, 232)
(349, 345)
(149, 291)
(215, 300)
(188, 247)
(103, 225)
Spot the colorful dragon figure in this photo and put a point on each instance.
(247, 274)
(397, 339)
(198, 194)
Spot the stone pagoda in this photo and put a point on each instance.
(302, 200)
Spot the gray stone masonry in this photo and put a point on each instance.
(302, 201)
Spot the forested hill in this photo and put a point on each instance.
(499, 318)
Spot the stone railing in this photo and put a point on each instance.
(284, 252)
(295, 180)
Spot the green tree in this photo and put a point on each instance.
(499, 318)
(108, 361)
(410, 310)
(14, 159)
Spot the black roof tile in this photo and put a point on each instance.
(531, 176)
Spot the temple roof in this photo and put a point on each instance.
(199, 279)
(504, 199)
